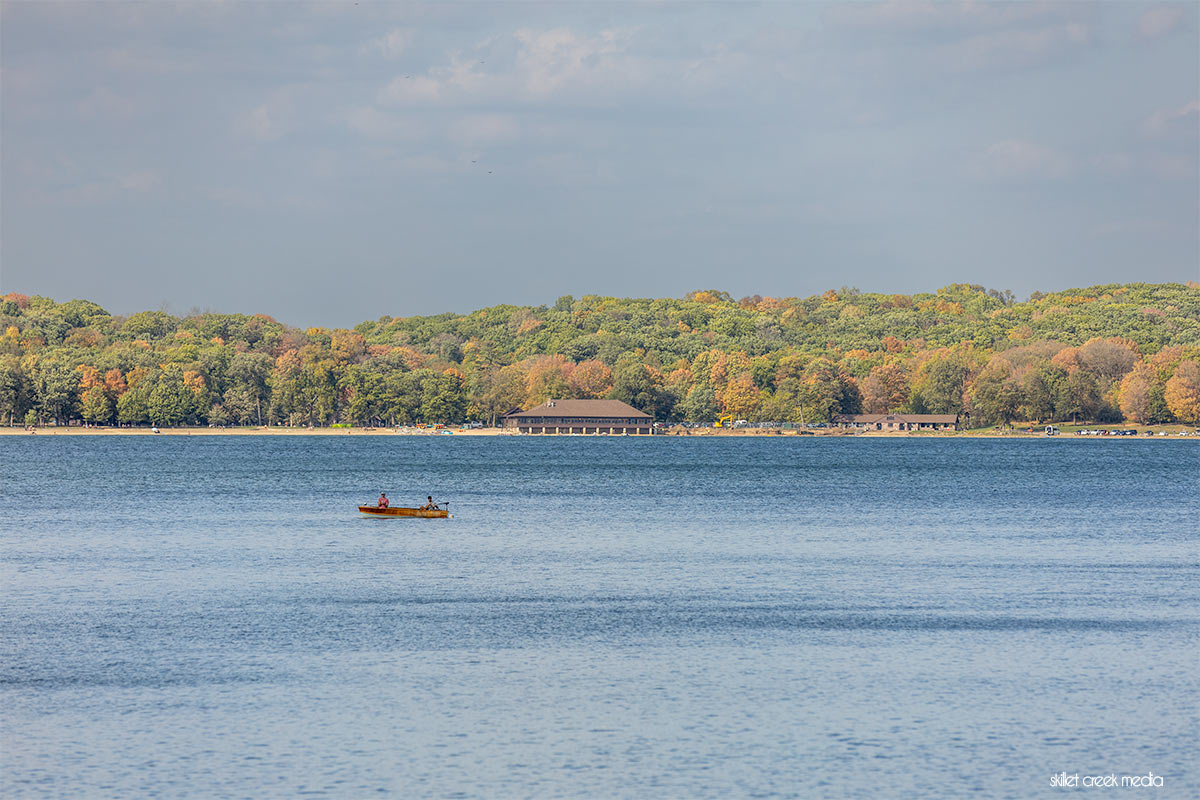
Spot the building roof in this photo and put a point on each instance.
(873, 418)
(581, 408)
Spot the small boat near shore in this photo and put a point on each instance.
(425, 513)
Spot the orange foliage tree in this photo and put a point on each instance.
(1183, 393)
(590, 379)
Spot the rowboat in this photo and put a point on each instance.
(430, 513)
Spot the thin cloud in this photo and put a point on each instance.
(392, 44)
(1018, 47)
(484, 129)
(104, 189)
(1165, 121)
(1160, 21)
(373, 123)
(902, 16)
(539, 65)
(420, 89)
(105, 104)
(1021, 158)
(1159, 165)
(1173, 167)
(140, 181)
(551, 60)
(269, 121)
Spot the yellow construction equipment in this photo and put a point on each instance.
(723, 421)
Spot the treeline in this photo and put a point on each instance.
(1104, 354)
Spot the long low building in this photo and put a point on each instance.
(899, 422)
(581, 416)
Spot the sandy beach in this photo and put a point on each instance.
(265, 430)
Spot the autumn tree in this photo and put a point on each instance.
(996, 395)
(941, 383)
(740, 396)
(497, 392)
(1182, 393)
(1135, 394)
(823, 392)
(547, 377)
(885, 390)
(1111, 359)
(590, 378)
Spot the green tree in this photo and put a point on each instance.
(241, 405)
(996, 395)
(823, 392)
(150, 325)
(15, 392)
(941, 384)
(55, 385)
(633, 384)
(96, 406)
(700, 405)
(133, 407)
(1039, 389)
(1078, 397)
(442, 399)
(497, 392)
(169, 401)
(249, 374)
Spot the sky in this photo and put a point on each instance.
(336, 162)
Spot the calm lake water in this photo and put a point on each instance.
(603, 617)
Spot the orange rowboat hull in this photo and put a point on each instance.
(375, 511)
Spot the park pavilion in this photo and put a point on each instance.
(581, 416)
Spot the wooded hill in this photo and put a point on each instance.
(1102, 353)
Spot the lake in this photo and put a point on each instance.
(602, 617)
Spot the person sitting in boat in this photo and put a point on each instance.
(429, 506)
(383, 501)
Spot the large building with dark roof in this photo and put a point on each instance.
(581, 416)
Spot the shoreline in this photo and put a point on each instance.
(1168, 433)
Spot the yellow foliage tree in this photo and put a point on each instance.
(1134, 396)
(1183, 393)
(741, 396)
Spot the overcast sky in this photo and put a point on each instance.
(330, 163)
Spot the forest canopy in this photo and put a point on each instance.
(1103, 353)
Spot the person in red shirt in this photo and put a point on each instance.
(383, 501)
